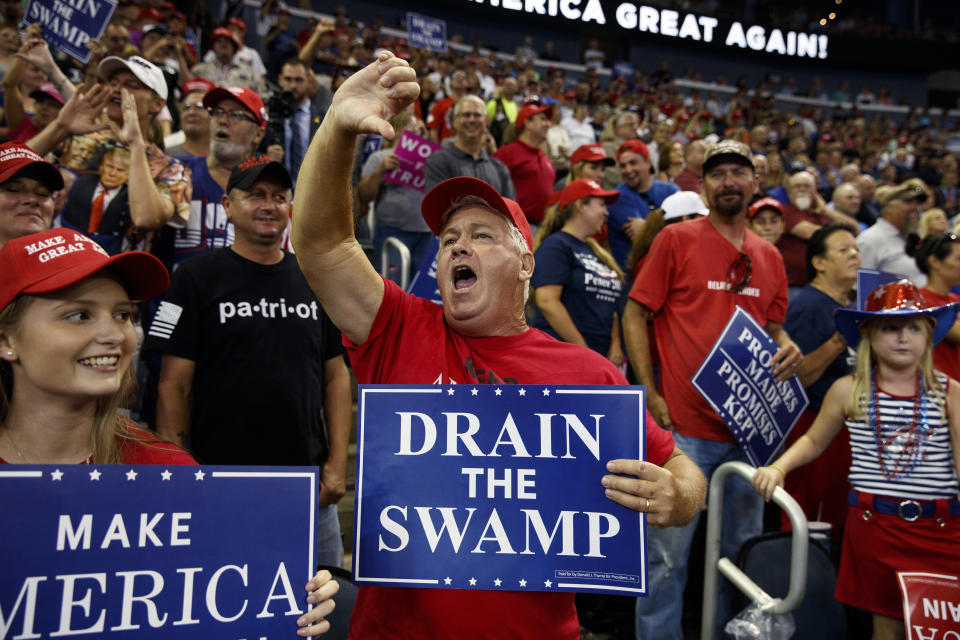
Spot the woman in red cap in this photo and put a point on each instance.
(577, 282)
(66, 343)
(904, 514)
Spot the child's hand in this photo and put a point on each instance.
(766, 479)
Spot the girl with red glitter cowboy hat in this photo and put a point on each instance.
(904, 514)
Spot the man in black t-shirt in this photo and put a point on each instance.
(252, 367)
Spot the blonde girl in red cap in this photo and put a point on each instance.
(904, 514)
(66, 343)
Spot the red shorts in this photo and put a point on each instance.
(875, 547)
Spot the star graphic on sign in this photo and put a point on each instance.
(199, 475)
(56, 475)
(447, 580)
(131, 475)
(546, 392)
(165, 475)
(473, 582)
(95, 475)
(547, 583)
(497, 582)
(498, 391)
(523, 392)
(473, 391)
(523, 582)
(450, 391)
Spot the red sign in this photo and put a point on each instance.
(931, 605)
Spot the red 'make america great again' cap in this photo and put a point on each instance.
(51, 260)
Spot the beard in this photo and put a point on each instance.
(728, 208)
(803, 202)
(228, 153)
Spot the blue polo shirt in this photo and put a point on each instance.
(633, 204)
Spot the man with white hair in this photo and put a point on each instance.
(478, 335)
(806, 213)
(883, 246)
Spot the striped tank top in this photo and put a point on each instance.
(920, 456)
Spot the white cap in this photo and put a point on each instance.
(683, 203)
(147, 72)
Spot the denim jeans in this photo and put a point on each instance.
(659, 615)
(329, 542)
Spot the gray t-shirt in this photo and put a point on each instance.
(395, 205)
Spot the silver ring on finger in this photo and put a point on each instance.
(646, 507)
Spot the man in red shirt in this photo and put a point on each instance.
(532, 172)
(438, 122)
(805, 214)
(693, 278)
(689, 179)
(479, 336)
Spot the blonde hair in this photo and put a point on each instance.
(923, 229)
(109, 428)
(859, 398)
(554, 220)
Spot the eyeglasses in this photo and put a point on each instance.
(187, 106)
(738, 275)
(237, 115)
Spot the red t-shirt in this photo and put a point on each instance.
(438, 117)
(794, 249)
(683, 281)
(533, 177)
(946, 356)
(689, 180)
(410, 343)
(147, 449)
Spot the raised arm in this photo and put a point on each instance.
(329, 255)
(811, 444)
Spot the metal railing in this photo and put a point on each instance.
(404, 252)
(714, 564)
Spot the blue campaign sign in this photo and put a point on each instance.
(497, 488)
(424, 283)
(153, 552)
(736, 380)
(623, 69)
(870, 279)
(426, 32)
(69, 24)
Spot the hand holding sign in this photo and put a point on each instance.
(373, 95)
(786, 361)
(652, 490)
(321, 588)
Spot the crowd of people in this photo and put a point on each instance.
(624, 216)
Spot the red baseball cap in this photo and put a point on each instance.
(223, 32)
(50, 260)
(591, 153)
(18, 158)
(198, 84)
(247, 97)
(635, 146)
(585, 189)
(439, 200)
(238, 23)
(532, 109)
(764, 203)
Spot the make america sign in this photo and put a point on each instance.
(497, 488)
(673, 24)
(154, 553)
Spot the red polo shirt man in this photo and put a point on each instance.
(532, 172)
